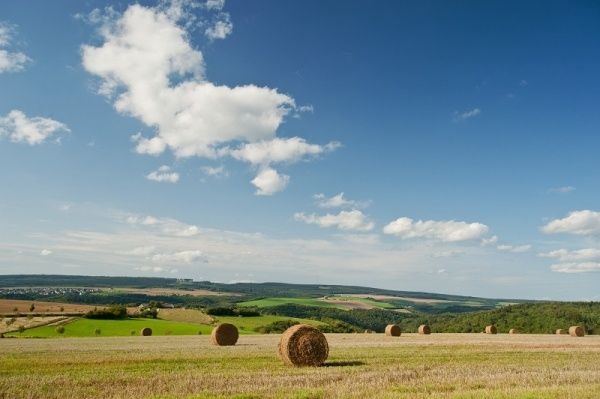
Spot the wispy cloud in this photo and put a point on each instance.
(461, 116)
(562, 190)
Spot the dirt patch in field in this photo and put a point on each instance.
(185, 315)
(8, 306)
(175, 291)
(8, 325)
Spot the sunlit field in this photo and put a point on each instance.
(359, 366)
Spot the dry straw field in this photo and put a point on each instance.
(358, 366)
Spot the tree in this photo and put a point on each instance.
(32, 307)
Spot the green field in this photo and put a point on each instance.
(268, 302)
(449, 366)
(82, 327)
(87, 327)
(246, 325)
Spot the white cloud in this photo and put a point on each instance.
(154, 269)
(21, 129)
(280, 150)
(584, 267)
(167, 226)
(489, 241)
(447, 231)
(144, 250)
(353, 220)
(163, 174)
(220, 29)
(564, 255)
(215, 171)
(562, 190)
(215, 4)
(10, 61)
(186, 257)
(466, 114)
(268, 182)
(148, 65)
(45, 252)
(517, 249)
(337, 201)
(584, 222)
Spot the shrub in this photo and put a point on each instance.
(60, 329)
(112, 312)
(276, 327)
(21, 329)
(97, 331)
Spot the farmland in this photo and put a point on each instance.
(334, 301)
(359, 366)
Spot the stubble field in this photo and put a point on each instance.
(359, 366)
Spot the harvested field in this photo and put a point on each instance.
(185, 316)
(359, 366)
(8, 306)
(30, 322)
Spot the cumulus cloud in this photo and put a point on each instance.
(446, 231)
(337, 201)
(584, 223)
(268, 182)
(10, 61)
(167, 226)
(45, 252)
(583, 267)
(163, 174)
(461, 116)
(220, 28)
(215, 171)
(564, 255)
(353, 220)
(489, 241)
(516, 249)
(19, 128)
(148, 66)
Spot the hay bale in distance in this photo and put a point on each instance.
(576, 331)
(224, 335)
(513, 331)
(560, 331)
(146, 331)
(303, 345)
(491, 329)
(393, 330)
(424, 329)
(367, 331)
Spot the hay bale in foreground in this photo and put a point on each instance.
(393, 330)
(560, 331)
(424, 329)
(513, 331)
(146, 331)
(576, 331)
(303, 345)
(491, 329)
(224, 335)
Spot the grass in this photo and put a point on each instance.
(86, 328)
(456, 366)
(82, 327)
(247, 325)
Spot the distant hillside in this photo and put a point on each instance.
(414, 301)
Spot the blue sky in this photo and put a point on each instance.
(214, 140)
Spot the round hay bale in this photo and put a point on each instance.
(393, 330)
(491, 329)
(146, 331)
(303, 345)
(367, 331)
(576, 331)
(513, 331)
(560, 331)
(424, 329)
(224, 335)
